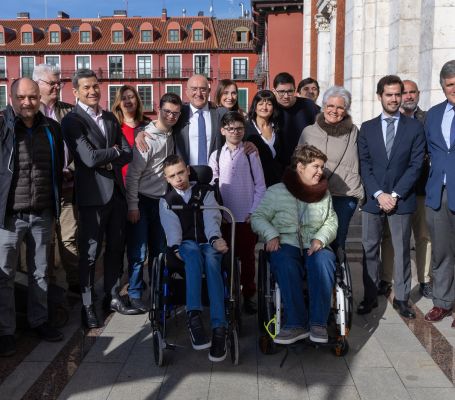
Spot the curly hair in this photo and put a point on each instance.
(306, 154)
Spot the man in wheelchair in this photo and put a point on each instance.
(296, 221)
(195, 238)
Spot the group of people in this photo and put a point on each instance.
(293, 174)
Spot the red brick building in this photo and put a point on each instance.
(154, 54)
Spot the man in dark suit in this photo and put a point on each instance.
(100, 151)
(391, 150)
(440, 201)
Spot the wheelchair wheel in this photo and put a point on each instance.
(158, 348)
(234, 345)
(155, 290)
(266, 309)
(341, 348)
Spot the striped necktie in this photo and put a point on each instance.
(389, 135)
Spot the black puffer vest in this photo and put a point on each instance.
(191, 219)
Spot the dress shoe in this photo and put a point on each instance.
(48, 333)
(403, 308)
(89, 318)
(365, 306)
(384, 288)
(139, 305)
(437, 314)
(426, 290)
(249, 306)
(117, 304)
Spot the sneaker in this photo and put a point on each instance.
(48, 333)
(199, 339)
(292, 335)
(318, 334)
(426, 290)
(7, 345)
(218, 349)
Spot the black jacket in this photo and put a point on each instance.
(8, 151)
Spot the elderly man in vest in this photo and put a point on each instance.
(31, 157)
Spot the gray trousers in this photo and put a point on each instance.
(36, 230)
(400, 230)
(441, 224)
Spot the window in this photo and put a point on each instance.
(198, 35)
(242, 98)
(82, 62)
(117, 36)
(241, 36)
(173, 64)
(173, 35)
(2, 38)
(145, 94)
(85, 37)
(54, 37)
(2, 97)
(201, 64)
(177, 89)
(146, 36)
(115, 67)
(144, 66)
(52, 60)
(239, 68)
(27, 65)
(27, 38)
(2, 67)
(112, 92)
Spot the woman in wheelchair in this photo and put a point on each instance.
(296, 221)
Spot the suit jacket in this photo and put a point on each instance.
(93, 154)
(442, 160)
(60, 109)
(182, 129)
(400, 172)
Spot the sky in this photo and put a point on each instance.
(149, 8)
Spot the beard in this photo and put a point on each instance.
(409, 106)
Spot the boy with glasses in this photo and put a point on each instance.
(145, 184)
(296, 113)
(242, 186)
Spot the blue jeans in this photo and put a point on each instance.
(147, 232)
(288, 267)
(344, 207)
(201, 258)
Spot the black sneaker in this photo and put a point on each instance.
(7, 345)
(199, 339)
(218, 350)
(48, 333)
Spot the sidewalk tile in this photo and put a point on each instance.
(142, 389)
(325, 392)
(111, 349)
(17, 384)
(432, 393)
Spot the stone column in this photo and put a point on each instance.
(332, 17)
(306, 62)
(324, 51)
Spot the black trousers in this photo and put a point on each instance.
(95, 224)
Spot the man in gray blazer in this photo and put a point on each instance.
(100, 151)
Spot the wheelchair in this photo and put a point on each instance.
(270, 307)
(168, 291)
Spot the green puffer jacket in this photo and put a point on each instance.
(278, 215)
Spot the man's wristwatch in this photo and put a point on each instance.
(395, 196)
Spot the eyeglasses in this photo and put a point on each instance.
(169, 113)
(52, 83)
(203, 90)
(281, 93)
(237, 129)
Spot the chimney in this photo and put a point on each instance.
(23, 15)
(62, 15)
(200, 13)
(164, 15)
(120, 13)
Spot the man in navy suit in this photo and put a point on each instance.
(391, 150)
(440, 200)
(100, 151)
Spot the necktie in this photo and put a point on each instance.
(202, 140)
(452, 129)
(389, 135)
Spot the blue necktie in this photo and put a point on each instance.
(202, 140)
(452, 129)
(390, 135)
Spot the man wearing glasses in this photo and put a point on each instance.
(63, 272)
(296, 113)
(145, 185)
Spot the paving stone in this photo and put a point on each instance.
(141, 366)
(19, 381)
(126, 323)
(142, 389)
(366, 352)
(396, 338)
(432, 393)
(111, 349)
(325, 392)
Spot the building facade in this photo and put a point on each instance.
(156, 55)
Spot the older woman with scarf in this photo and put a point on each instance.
(296, 221)
(336, 136)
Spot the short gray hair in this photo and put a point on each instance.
(447, 71)
(41, 70)
(337, 91)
